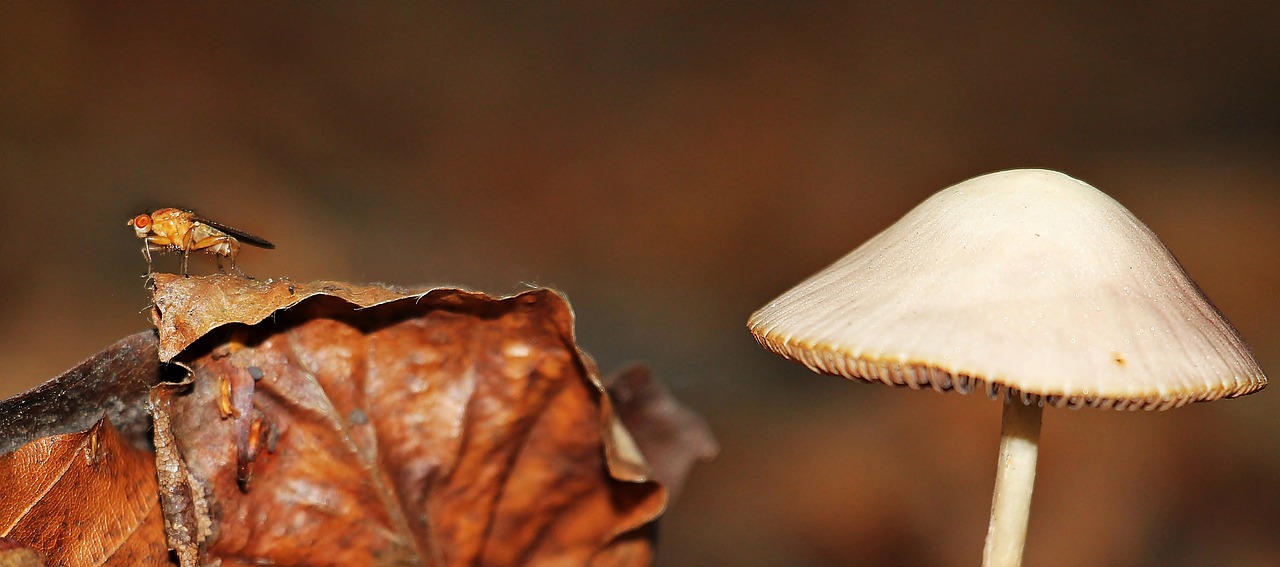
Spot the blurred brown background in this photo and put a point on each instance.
(672, 167)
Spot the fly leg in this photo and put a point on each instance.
(146, 253)
(237, 270)
(153, 242)
(222, 245)
(149, 244)
(232, 257)
(149, 280)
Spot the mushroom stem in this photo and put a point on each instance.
(1015, 478)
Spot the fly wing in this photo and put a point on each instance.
(240, 235)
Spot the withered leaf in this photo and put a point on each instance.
(187, 522)
(671, 436)
(187, 308)
(112, 383)
(369, 426)
(85, 498)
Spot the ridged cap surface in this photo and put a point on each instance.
(1024, 283)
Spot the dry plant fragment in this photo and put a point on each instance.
(77, 480)
(188, 308)
(187, 523)
(358, 425)
(436, 428)
(84, 498)
(670, 436)
(112, 383)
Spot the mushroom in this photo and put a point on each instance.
(1030, 286)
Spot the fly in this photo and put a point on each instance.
(176, 230)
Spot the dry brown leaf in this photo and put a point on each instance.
(188, 308)
(72, 486)
(187, 521)
(84, 498)
(113, 383)
(370, 426)
(670, 435)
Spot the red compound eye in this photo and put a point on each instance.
(142, 221)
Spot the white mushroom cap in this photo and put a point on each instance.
(1023, 283)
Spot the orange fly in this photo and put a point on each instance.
(176, 230)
